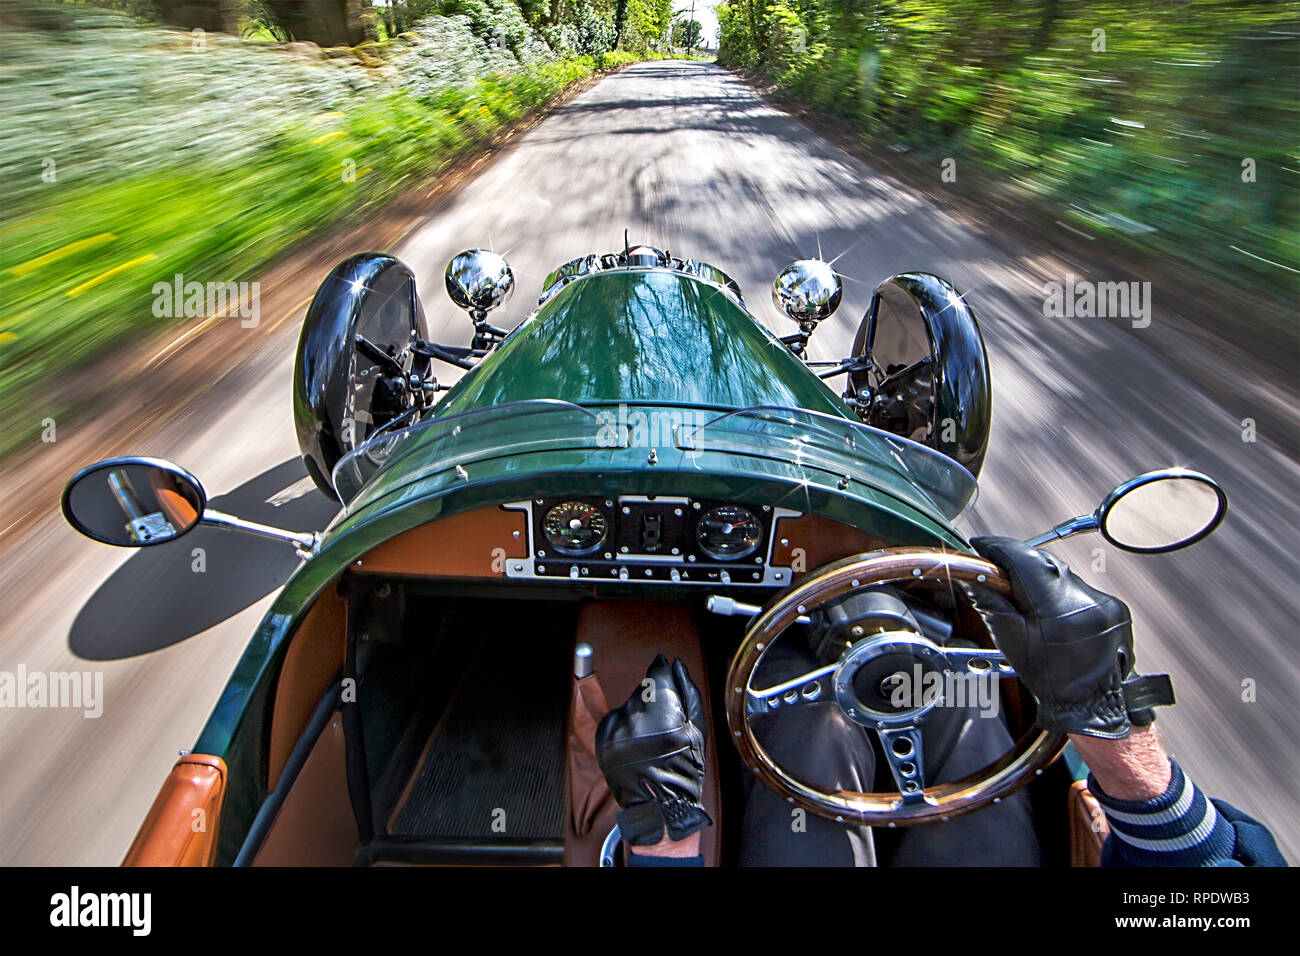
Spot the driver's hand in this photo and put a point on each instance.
(651, 751)
(1070, 644)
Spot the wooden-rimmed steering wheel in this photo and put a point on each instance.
(898, 729)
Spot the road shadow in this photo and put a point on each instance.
(165, 594)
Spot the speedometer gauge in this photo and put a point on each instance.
(728, 532)
(575, 527)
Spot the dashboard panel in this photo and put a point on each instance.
(650, 538)
(497, 542)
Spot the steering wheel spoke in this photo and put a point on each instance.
(805, 689)
(978, 661)
(906, 759)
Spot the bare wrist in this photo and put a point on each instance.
(687, 847)
(1135, 767)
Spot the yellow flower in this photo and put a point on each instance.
(89, 283)
(71, 248)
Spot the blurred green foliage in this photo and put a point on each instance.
(1173, 127)
(133, 154)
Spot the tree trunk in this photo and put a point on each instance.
(323, 22)
(213, 16)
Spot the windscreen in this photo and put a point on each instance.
(910, 472)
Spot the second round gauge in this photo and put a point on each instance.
(575, 527)
(728, 532)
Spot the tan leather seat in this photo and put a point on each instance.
(625, 637)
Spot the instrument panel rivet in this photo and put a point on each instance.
(759, 647)
(997, 799)
(839, 819)
(843, 483)
(982, 578)
(916, 572)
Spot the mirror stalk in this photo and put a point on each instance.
(304, 542)
(1082, 524)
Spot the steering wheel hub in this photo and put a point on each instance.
(881, 681)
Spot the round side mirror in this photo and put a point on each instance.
(479, 280)
(808, 291)
(133, 502)
(1162, 511)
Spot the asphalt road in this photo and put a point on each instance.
(684, 156)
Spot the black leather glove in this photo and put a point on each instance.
(652, 755)
(1070, 644)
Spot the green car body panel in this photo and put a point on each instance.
(622, 344)
(651, 337)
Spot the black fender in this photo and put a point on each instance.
(334, 396)
(920, 330)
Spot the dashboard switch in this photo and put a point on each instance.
(651, 533)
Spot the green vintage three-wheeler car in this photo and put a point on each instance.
(638, 467)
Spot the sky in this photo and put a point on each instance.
(704, 13)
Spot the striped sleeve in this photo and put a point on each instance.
(1181, 827)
